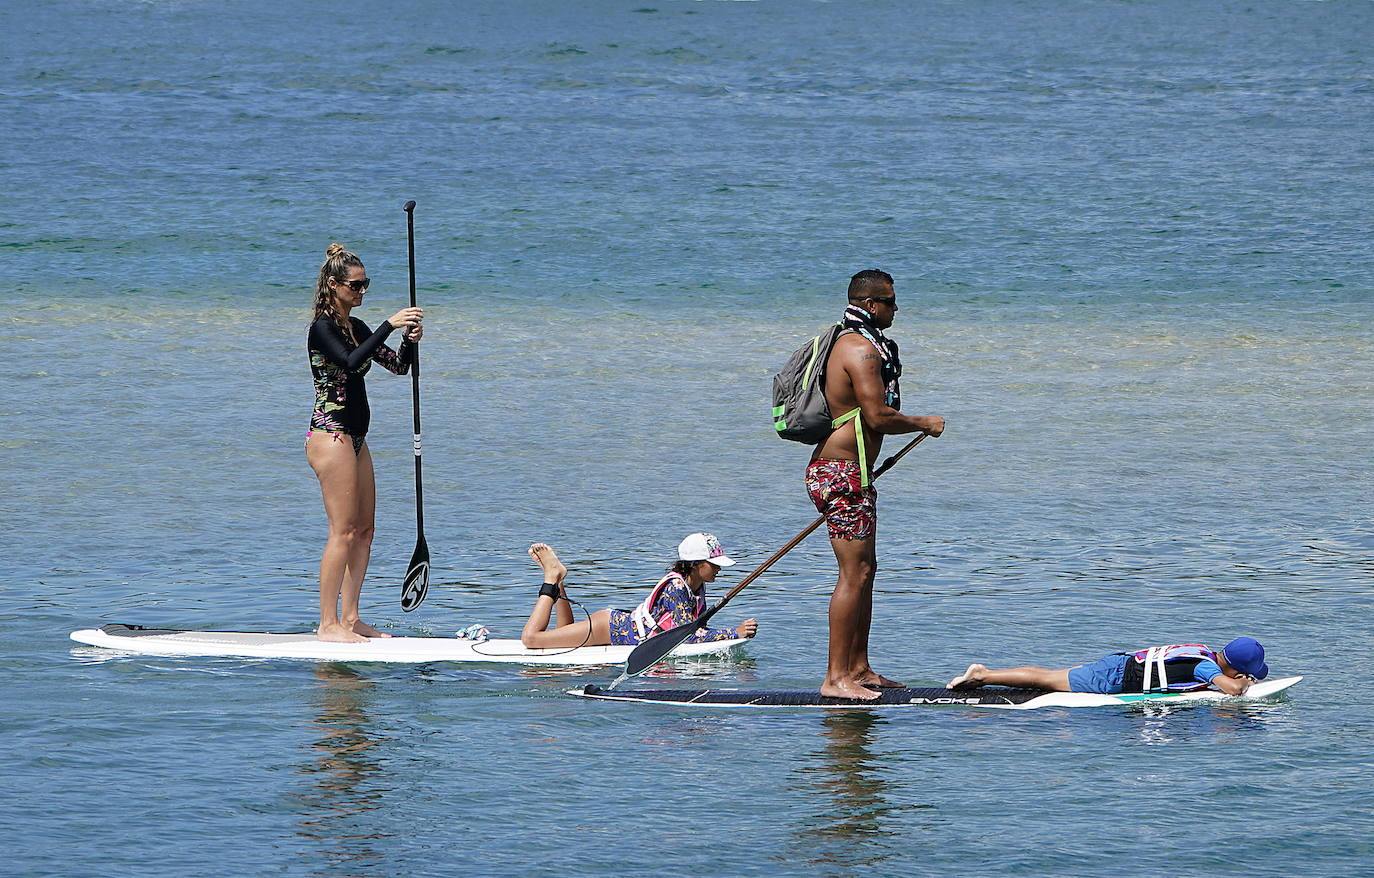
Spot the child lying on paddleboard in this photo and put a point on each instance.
(677, 598)
(1179, 668)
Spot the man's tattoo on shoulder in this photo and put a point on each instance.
(869, 357)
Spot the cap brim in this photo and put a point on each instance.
(722, 561)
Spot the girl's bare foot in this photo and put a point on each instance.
(970, 679)
(366, 630)
(335, 632)
(547, 559)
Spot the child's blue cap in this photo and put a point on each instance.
(1247, 656)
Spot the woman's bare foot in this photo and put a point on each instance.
(366, 630)
(547, 559)
(970, 679)
(335, 632)
(850, 689)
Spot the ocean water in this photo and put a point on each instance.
(1131, 243)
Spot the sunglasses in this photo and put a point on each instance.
(357, 285)
(889, 300)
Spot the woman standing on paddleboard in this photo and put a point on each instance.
(342, 349)
(677, 598)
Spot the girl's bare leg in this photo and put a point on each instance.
(554, 573)
(595, 631)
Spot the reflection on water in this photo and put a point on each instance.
(732, 666)
(862, 818)
(1160, 723)
(338, 805)
(1170, 723)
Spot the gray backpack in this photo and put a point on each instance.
(800, 412)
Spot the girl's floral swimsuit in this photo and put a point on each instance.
(675, 600)
(339, 366)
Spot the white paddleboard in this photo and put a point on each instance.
(988, 696)
(1257, 691)
(414, 650)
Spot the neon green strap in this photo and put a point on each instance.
(858, 420)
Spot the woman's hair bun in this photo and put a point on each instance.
(335, 249)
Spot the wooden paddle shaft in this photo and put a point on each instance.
(653, 649)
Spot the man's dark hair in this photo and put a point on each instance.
(866, 280)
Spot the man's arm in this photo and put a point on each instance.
(863, 365)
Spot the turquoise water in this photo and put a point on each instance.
(1133, 260)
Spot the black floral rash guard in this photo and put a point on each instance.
(339, 366)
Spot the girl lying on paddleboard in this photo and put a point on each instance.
(676, 599)
(1179, 668)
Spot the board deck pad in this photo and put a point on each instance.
(414, 650)
(988, 696)
(787, 698)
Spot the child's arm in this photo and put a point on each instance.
(1231, 685)
(683, 607)
(1210, 672)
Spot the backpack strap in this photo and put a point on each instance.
(856, 416)
(1154, 659)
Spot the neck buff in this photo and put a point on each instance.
(860, 321)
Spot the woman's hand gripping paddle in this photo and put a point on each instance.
(416, 583)
(653, 650)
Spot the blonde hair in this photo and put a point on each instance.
(338, 259)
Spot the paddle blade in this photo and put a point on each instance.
(416, 584)
(652, 651)
(656, 648)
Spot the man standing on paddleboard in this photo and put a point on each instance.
(861, 388)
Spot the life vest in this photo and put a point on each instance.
(646, 623)
(1154, 659)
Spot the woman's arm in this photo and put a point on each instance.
(394, 361)
(328, 338)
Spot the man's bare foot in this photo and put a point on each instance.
(366, 630)
(970, 679)
(878, 681)
(335, 632)
(547, 559)
(848, 689)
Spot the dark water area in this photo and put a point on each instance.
(1132, 255)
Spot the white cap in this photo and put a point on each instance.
(704, 547)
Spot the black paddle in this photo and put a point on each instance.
(652, 651)
(416, 584)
